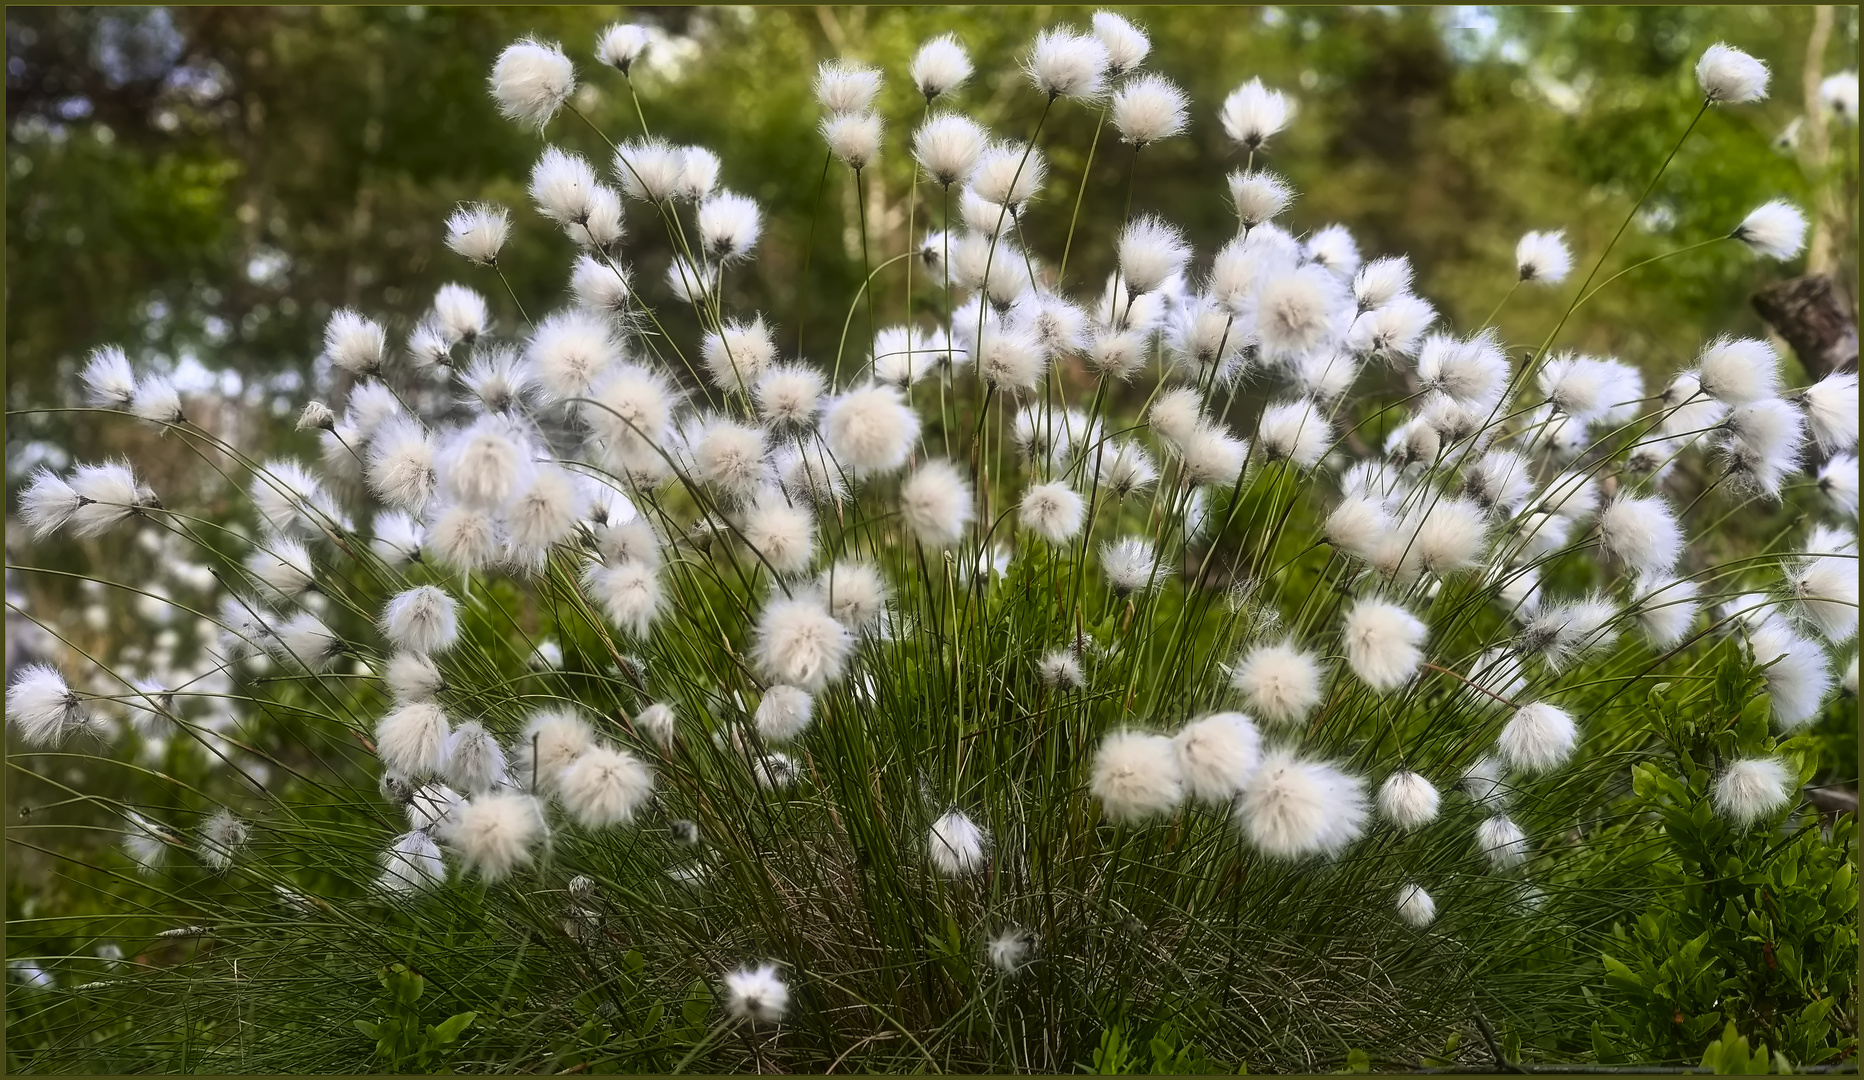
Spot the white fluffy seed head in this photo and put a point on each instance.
(1295, 431)
(1333, 248)
(157, 401)
(781, 532)
(1136, 776)
(955, 845)
(1449, 538)
(1008, 951)
(531, 80)
(1052, 511)
(550, 741)
(854, 138)
(738, 354)
(940, 66)
(1736, 371)
(1838, 482)
(464, 537)
(1542, 257)
(1294, 310)
(1176, 416)
(412, 864)
(936, 504)
(1149, 108)
(619, 45)
(1484, 781)
(1061, 669)
(870, 430)
(1776, 230)
(487, 464)
(1150, 250)
(1259, 196)
(1252, 113)
(283, 565)
(423, 619)
(784, 713)
(545, 513)
(1065, 64)
(1501, 842)
(1408, 800)
(855, 592)
(1009, 174)
(1128, 468)
(1415, 906)
(756, 995)
(633, 409)
(1832, 411)
(1133, 565)
(1839, 94)
(1382, 642)
(1292, 808)
(730, 457)
(605, 787)
(412, 739)
(947, 147)
(1537, 737)
(412, 677)
(600, 287)
(109, 381)
(1729, 76)
(1281, 682)
(1217, 755)
(43, 707)
(495, 833)
(477, 231)
(1011, 357)
(1641, 533)
(475, 761)
(459, 314)
(570, 352)
(1126, 44)
(789, 395)
(1214, 456)
(1752, 789)
(729, 225)
(800, 643)
(629, 593)
(1471, 372)
(698, 173)
(563, 186)
(1393, 331)
(844, 87)
(1825, 592)
(650, 170)
(354, 343)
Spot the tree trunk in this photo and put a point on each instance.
(1813, 313)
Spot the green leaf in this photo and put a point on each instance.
(698, 1004)
(367, 1028)
(1358, 1062)
(449, 1029)
(1616, 969)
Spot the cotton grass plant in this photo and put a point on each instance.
(1227, 637)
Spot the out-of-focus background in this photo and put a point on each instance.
(204, 185)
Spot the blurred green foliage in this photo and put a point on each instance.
(209, 183)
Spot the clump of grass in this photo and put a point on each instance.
(1236, 645)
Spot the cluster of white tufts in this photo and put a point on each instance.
(797, 532)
